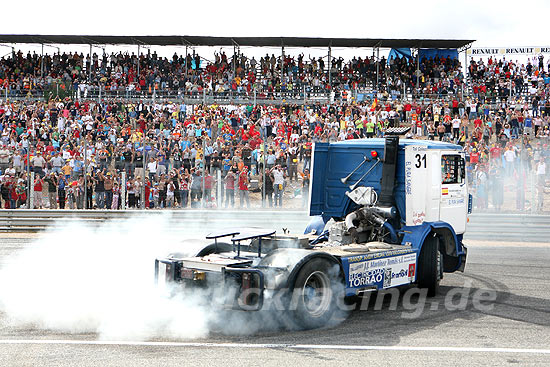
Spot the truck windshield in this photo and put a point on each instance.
(452, 169)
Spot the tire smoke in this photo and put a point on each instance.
(99, 279)
(82, 279)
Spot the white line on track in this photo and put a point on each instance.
(277, 346)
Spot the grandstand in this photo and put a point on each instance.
(286, 80)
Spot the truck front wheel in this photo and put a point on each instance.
(429, 265)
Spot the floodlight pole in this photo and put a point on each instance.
(144, 158)
(203, 171)
(264, 198)
(282, 62)
(185, 63)
(90, 65)
(29, 181)
(328, 64)
(465, 71)
(85, 174)
(377, 66)
(42, 62)
(234, 60)
(418, 68)
(138, 62)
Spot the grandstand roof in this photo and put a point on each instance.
(230, 41)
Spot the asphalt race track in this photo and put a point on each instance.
(513, 329)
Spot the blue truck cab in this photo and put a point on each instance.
(398, 194)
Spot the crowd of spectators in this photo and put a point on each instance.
(191, 74)
(178, 155)
(176, 150)
(494, 79)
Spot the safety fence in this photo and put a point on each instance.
(303, 95)
(487, 227)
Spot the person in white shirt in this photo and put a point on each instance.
(510, 157)
(152, 168)
(456, 127)
(278, 184)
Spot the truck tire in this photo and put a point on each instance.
(429, 266)
(315, 293)
(215, 249)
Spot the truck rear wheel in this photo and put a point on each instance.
(315, 293)
(214, 248)
(429, 266)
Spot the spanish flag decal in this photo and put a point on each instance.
(444, 191)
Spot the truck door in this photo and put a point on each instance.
(422, 184)
(453, 207)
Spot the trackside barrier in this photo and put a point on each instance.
(489, 227)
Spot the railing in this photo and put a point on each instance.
(302, 97)
(488, 227)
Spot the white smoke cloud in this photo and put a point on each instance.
(82, 279)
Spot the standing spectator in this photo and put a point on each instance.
(152, 167)
(196, 187)
(131, 190)
(510, 158)
(292, 163)
(230, 189)
(243, 188)
(89, 192)
(116, 196)
(268, 189)
(497, 185)
(184, 188)
(162, 189)
(108, 186)
(5, 191)
(305, 188)
(21, 191)
(278, 184)
(37, 192)
(4, 157)
(61, 185)
(440, 131)
(100, 189)
(170, 194)
(208, 184)
(456, 128)
(51, 180)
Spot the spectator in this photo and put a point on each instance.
(230, 189)
(278, 184)
(51, 181)
(243, 188)
(61, 193)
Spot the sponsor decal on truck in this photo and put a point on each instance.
(382, 273)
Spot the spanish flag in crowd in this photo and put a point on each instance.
(374, 103)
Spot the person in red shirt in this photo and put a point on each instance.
(208, 184)
(243, 188)
(318, 129)
(455, 106)
(474, 157)
(38, 193)
(477, 123)
(495, 152)
(147, 192)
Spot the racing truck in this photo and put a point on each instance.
(385, 212)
